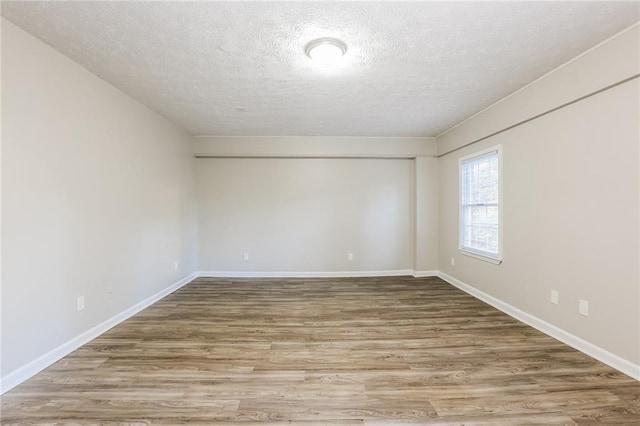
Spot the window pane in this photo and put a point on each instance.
(480, 203)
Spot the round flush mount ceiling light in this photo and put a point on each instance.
(325, 50)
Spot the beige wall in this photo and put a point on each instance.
(97, 193)
(571, 208)
(427, 182)
(318, 146)
(305, 215)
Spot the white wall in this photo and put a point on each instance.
(571, 203)
(305, 215)
(98, 192)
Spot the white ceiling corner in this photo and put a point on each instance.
(238, 68)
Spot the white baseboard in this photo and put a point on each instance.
(594, 351)
(337, 274)
(424, 274)
(23, 373)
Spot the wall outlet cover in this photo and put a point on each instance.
(584, 307)
(80, 303)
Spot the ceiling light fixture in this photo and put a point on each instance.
(325, 50)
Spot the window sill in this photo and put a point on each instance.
(492, 260)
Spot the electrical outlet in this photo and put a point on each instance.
(245, 257)
(350, 256)
(80, 303)
(453, 261)
(176, 264)
(554, 297)
(584, 307)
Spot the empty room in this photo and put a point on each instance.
(320, 213)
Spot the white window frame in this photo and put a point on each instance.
(467, 251)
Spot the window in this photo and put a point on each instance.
(480, 209)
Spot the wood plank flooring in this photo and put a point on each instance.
(372, 351)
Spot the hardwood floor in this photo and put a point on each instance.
(373, 351)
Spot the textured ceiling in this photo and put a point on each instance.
(238, 68)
